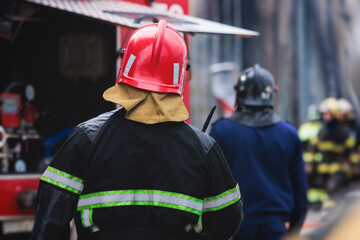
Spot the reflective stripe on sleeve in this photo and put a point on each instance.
(222, 200)
(63, 180)
(87, 221)
(85, 218)
(141, 198)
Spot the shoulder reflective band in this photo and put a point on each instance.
(87, 221)
(222, 200)
(63, 180)
(143, 198)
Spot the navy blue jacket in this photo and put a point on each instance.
(267, 163)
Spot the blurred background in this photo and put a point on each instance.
(311, 47)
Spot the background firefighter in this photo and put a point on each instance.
(141, 172)
(334, 149)
(308, 131)
(347, 118)
(265, 157)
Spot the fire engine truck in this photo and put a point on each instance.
(57, 58)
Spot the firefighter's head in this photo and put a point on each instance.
(346, 110)
(313, 113)
(255, 88)
(154, 62)
(329, 109)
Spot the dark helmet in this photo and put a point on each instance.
(255, 87)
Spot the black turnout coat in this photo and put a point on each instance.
(122, 179)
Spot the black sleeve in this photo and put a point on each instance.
(222, 212)
(60, 187)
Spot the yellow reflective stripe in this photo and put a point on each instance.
(334, 167)
(314, 141)
(350, 142)
(354, 158)
(308, 157)
(331, 168)
(322, 168)
(329, 146)
(317, 195)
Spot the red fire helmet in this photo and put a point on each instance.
(155, 59)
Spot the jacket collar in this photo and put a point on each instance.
(255, 117)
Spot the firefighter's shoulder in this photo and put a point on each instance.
(92, 126)
(206, 140)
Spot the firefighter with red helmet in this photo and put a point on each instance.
(264, 154)
(140, 171)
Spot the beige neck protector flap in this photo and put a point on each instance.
(147, 107)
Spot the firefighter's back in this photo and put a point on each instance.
(139, 177)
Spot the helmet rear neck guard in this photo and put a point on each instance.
(255, 88)
(155, 59)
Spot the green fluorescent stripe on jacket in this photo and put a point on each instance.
(221, 206)
(90, 217)
(67, 175)
(141, 197)
(60, 185)
(83, 217)
(146, 191)
(87, 221)
(222, 200)
(198, 226)
(141, 203)
(63, 180)
(221, 195)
